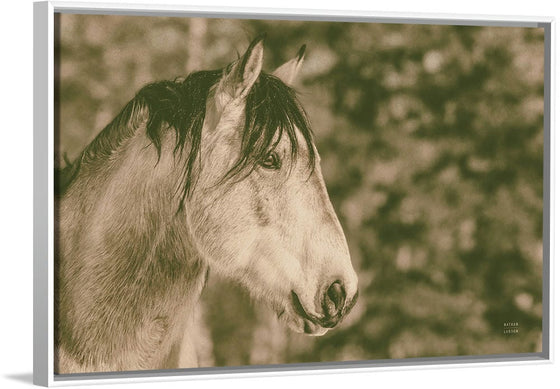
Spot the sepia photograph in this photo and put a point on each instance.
(234, 192)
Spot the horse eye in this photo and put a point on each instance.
(271, 161)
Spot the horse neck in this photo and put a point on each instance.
(122, 230)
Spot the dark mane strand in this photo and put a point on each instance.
(120, 128)
(271, 110)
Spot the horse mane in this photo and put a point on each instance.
(271, 109)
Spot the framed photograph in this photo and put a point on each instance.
(224, 192)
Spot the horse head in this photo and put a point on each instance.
(259, 213)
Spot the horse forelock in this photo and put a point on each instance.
(271, 110)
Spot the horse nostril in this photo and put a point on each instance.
(334, 299)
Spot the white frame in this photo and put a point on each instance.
(43, 354)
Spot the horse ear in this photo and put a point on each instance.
(240, 76)
(288, 72)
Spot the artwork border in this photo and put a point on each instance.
(43, 196)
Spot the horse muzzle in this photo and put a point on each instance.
(335, 305)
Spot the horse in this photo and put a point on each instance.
(217, 171)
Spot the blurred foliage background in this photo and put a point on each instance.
(431, 140)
